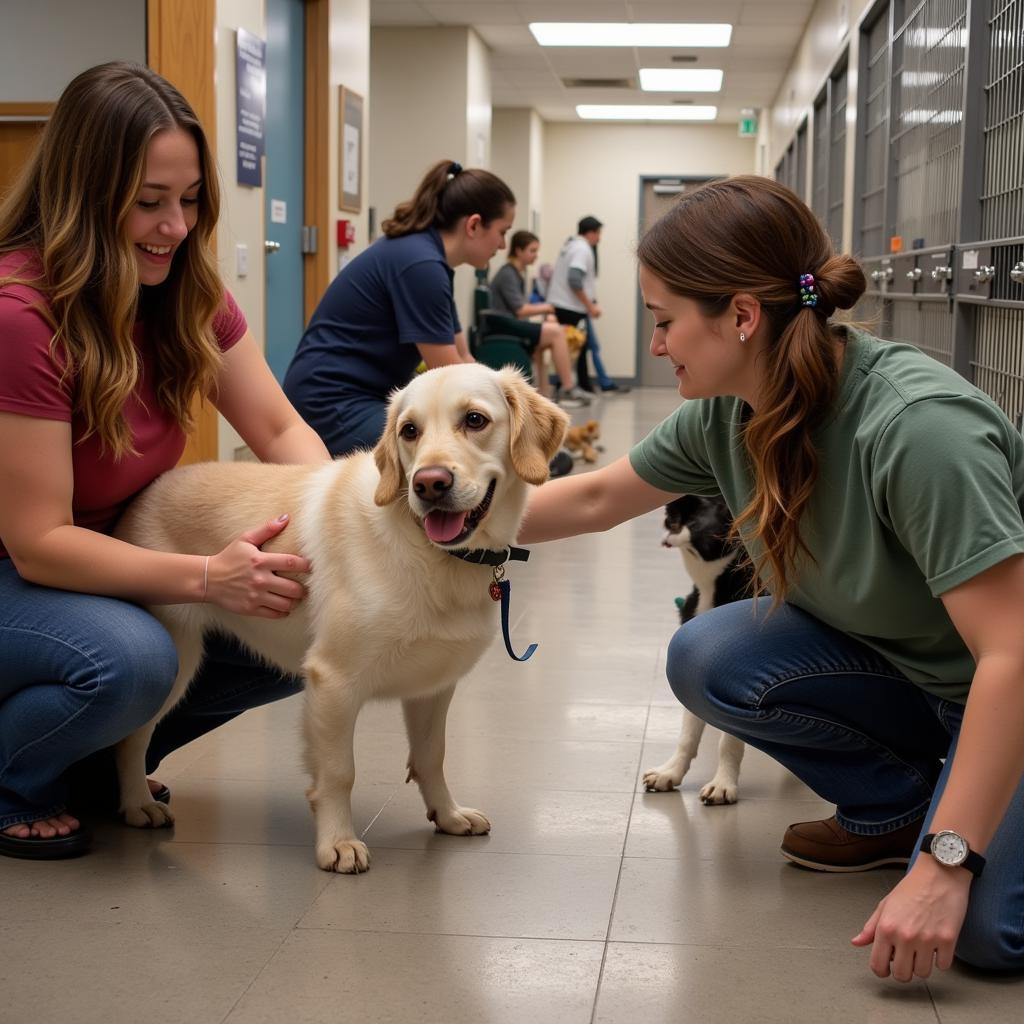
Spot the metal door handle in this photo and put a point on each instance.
(915, 275)
(985, 274)
(942, 273)
(1017, 274)
(271, 247)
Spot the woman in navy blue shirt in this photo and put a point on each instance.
(394, 305)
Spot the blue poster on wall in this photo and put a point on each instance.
(251, 104)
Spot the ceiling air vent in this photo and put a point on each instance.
(599, 83)
(683, 58)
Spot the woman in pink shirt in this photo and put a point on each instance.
(113, 318)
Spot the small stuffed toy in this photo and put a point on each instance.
(574, 338)
(581, 439)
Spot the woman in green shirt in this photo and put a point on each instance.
(879, 496)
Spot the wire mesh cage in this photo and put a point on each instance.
(1002, 198)
(929, 55)
(926, 325)
(998, 363)
(819, 157)
(837, 154)
(874, 104)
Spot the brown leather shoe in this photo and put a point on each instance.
(826, 846)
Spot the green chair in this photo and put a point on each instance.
(492, 347)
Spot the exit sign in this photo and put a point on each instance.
(748, 127)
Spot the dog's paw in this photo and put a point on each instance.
(719, 791)
(152, 814)
(656, 780)
(460, 821)
(344, 856)
(666, 777)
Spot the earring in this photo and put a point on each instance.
(743, 338)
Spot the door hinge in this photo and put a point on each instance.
(309, 238)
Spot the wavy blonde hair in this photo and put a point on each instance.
(69, 208)
(752, 235)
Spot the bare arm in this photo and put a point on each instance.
(592, 308)
(528, 309)
(462, 345)
(252, 401)
(38, 531)
(589, 503)
(47, 548)
(926, 910)
(445, 355)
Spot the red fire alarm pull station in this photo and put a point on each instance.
(346, 233)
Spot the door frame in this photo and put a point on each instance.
(646, 179)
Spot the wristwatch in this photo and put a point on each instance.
(950, 849)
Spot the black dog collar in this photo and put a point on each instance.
(484, 556)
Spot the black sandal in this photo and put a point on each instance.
(38, 848)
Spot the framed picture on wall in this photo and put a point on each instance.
(350, 149)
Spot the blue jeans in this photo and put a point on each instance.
(352, 421)
(594, 349)
(857, 731)
(570, 316)
(78, 673)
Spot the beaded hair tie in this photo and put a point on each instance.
(453, 169)
(808, 295)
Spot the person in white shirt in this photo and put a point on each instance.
(572, 292)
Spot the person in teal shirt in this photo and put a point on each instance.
(880, 499)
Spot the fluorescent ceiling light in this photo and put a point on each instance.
(582, 33)
(681, 79)
(643, 112)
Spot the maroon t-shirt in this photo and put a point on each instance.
(30, 385)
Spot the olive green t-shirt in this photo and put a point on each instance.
(921, 487)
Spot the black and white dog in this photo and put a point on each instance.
(700, 528)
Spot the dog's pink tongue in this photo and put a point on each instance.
(442, 527)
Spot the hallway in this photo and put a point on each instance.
(590, 901)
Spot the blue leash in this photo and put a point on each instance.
(500, 588)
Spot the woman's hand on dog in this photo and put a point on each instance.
(244, 579)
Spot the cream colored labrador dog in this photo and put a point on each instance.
(388, 613)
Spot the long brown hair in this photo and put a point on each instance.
(69, 207)
(752, 235)
(447, 193)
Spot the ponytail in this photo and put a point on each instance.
(446, 194)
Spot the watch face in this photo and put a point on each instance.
(949, 848)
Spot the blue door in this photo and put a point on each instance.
(285, 144)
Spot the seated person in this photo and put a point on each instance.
(510, 310)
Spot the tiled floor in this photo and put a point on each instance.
(590, 900)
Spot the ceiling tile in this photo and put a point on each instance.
(692, 10)
(449, 13)
(398, 13)
(776, 12)
(765, 36)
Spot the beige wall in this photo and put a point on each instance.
(517, 157)
(596, 169)
(44, 45)
(350, 67)
(431, 100)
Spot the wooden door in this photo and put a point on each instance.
(181, 48)
(20, 125)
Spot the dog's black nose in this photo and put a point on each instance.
(431, 482)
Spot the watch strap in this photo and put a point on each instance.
(974, 862)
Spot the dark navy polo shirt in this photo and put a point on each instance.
(361, 341)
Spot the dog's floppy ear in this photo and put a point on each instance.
(386, 456)
(537, 427)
